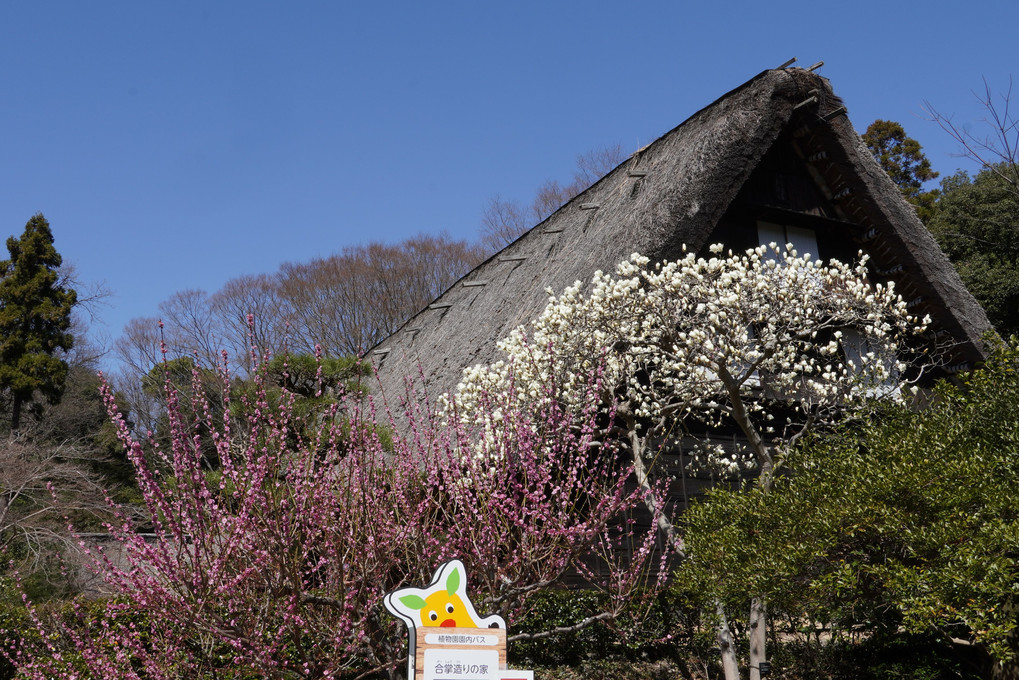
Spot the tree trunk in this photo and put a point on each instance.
(16, 412)
(722, 633)
(640, 471)
(765, 455)
(730, 667)
(758, 636)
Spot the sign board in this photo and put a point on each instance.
(448, 640)
(460, 653)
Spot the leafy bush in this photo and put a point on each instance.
(893, 657)
(613, 670)
(663, 629)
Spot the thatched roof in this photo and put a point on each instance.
(676, 191)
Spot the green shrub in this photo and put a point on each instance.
(664, 630)
(613, 670)
(892, 657)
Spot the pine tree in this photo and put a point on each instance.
(903, 159)
(35, 317)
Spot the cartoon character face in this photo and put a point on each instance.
(446, 610)
(444, 603)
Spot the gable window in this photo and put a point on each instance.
(855, 347)
(804, 240)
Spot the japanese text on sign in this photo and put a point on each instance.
(461, 664)
(460, 639)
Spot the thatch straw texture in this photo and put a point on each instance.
(676, 191)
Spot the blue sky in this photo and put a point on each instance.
(177, 145)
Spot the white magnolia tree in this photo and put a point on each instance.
(765, 342)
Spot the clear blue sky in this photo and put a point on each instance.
(176, 145)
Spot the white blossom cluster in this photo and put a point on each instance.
(703, 337)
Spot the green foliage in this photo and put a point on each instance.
(612, 669)
(81, 417)
(879, 657)
(35, 319)
(665, 631)
(559, 608)
(591, 655)
(193, 387)
(314, 382)
(903, 159)
(910, 520)
(313, 386)
(977, 225)
(306, 386)
(307, 375)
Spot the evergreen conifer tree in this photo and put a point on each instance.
(903, 159)
(35, 318)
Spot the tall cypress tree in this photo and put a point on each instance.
(35, 317)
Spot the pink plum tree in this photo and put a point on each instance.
(275, 564)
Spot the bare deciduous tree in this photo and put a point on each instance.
(42, 484)
(253, 313)
(342, 304)
(138, 349)
(348, 302)
(192, 327)
(997, 149)
(502, 221)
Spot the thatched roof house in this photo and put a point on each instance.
(776, 155)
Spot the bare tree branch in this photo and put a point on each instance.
(997, 149)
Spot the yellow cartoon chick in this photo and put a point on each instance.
(444, 603)
(447, 611)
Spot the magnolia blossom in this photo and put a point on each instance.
(707, 338)
(700, 346)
